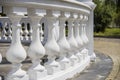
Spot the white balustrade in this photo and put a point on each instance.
(72, 41)
(63, 43)
(65, 56)
(36, 50)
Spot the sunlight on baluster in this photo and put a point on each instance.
(36, 50)
(63, 44)
(51, 46)
(72, 41)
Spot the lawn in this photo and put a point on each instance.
(109, 32)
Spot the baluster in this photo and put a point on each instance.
(51, 46)
(36, 50)
(26, 32)
(72, 41)
(9, 32)
(0, 62)
(16, 53)
(84, 38)
(4, 32)
(78, 39)
(30, 32)
(84, 28)
(63, 44)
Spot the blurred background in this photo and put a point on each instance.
(107, 18)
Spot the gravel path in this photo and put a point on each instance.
(98, 70)
(102, 68)
(110, 47)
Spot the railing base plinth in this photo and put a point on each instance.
(37, 75)
(25, 77)
(70, 72)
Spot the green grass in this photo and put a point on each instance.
(109, 32)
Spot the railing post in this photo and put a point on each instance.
(16, 53)
(36, 50)
(84, 36)
(51, 46)
(63, 43)
(91, 35)
(72, 41)
(77, 38)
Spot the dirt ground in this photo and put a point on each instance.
(110, 47)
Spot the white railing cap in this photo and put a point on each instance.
(63, 5)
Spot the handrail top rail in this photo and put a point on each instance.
(63, 5)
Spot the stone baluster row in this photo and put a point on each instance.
(6, 30)
(62, 54)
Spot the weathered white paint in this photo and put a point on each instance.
(36, 50)
(72, 41)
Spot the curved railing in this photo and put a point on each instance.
(60, 29)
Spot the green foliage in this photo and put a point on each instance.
(104, 14)
(109, 32)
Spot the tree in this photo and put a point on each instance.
(117, 16)
(104, 13)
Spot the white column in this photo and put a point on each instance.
(72, 41)
(82, 35)
(77, 38)
(16, 53)
(51, 46)
(0, 62)
(90, 36)
(85, 27)
(36, 50)
(63, 43)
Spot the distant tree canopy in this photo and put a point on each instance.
(107, 12)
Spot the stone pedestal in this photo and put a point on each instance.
(52, 66)
(64, 63)
(25, 77)
(37, 75)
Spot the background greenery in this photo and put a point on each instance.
(107, 14)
